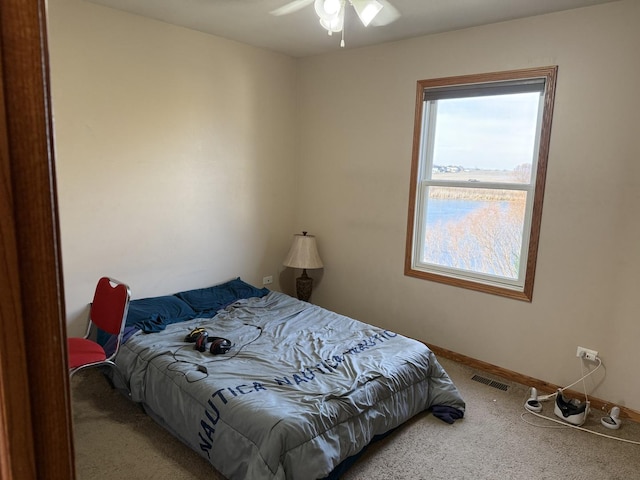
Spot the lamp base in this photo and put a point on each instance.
(303, 286)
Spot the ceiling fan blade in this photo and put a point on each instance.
(387, 15)
(291, 7)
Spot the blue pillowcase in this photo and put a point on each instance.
(154, 314)
(150, 315)
(207, 301)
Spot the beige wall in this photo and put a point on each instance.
(175, 159)
(357, 123)
(192, 149)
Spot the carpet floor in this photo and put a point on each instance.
(495, 440)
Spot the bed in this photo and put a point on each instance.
(301, 391)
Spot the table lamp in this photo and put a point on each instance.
(303, 254)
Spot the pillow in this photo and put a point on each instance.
(211, 299)
(155, 313)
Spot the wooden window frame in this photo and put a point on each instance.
(549, 75)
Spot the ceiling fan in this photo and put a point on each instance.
(331, 13)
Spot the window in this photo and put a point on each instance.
(477, 179)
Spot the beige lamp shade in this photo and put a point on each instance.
(303, 253)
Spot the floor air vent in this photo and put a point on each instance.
(492, 383)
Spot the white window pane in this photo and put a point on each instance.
(476, 230)
(488, 136)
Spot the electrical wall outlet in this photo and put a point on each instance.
(587, 354)
(267, 280)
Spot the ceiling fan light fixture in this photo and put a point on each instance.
(331, 19)
(333, 25)
(327, 9)
(332, 6)
(366, 10)
(331, 13)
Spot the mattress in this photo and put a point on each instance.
(301, 390)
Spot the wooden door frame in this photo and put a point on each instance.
(36, 435)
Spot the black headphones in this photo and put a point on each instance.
(219, 345)
(201, 337)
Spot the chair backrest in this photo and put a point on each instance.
(110, 305)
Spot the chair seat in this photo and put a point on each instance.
(82, 351)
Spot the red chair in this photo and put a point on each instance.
(108, 312)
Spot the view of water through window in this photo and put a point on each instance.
(475, 230)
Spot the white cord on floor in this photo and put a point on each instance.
(569, 425)
(564, 424)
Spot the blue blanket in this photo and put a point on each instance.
(301, 390)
